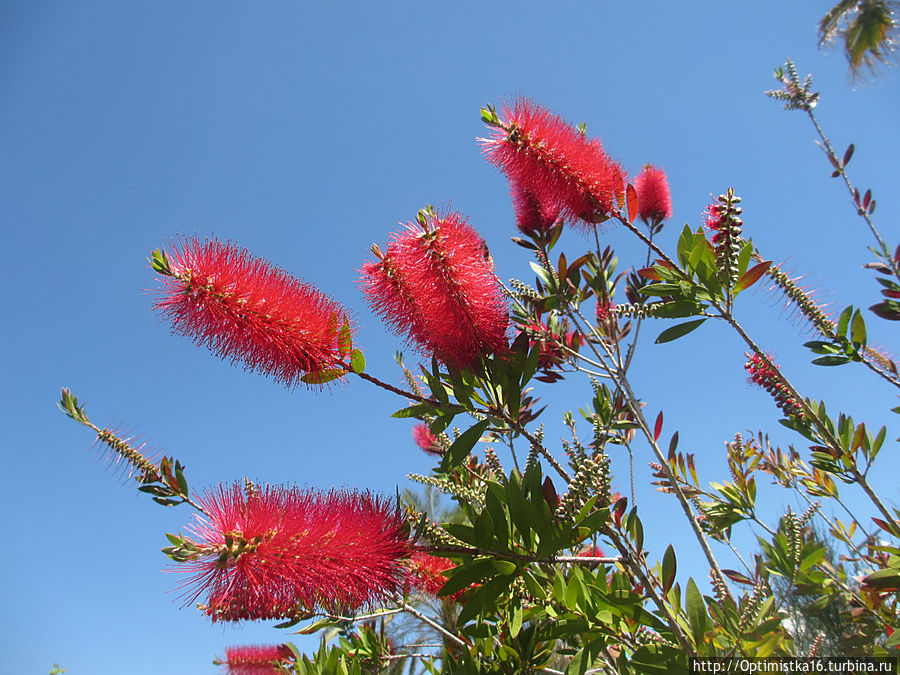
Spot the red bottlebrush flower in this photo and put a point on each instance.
(545, 156)
(258, 660)
(654, 200)
(269, 553)
(435, 283)
(770, 379)
(243, 309)
(429, 577)
(532, 215)
(426, 440)
(591, 551)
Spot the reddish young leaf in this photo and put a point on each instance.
(657, 428)
(653, 275)
(737, 577)
(752, 275)
(632, 200)
(848, 154)
(866, 199)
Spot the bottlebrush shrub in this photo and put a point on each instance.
(524, 539)
(245, 310)
(273, 552)
(435, 284)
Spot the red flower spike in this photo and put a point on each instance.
(426, 440)
(563, 170)
(258, 660)
(770, 379)
(274, 552)
(531, 214)
(429, 577)
(435, 283)
(590, 551)
(245, 310)
(655, 202)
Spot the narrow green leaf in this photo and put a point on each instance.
(462, 446)
(696, 610)
(416, 410)
(678, 331)
(858, 329)
(831, 360)
(669, 567)
(465, 575)
(182, 482)
(345, 338)
(844, 321)
(515, 621)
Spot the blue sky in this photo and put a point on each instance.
(305, 132)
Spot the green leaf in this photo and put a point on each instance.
(685, 244)
(357, 361)
(822, 347)
(441, 422)
(894, 640)
(487, 595)
(467, 574)
(504, 566)
(678, 331)
(345, 338)
(844, 321)
(696, 611)
(677, 309)
(515, 621)
(416, 410)
(585, 656)
(831, 360)
(462, 446)
(322, 376)
(669, 567)
(542, 274)
(167, 502)
(182, 482)
(858, 329)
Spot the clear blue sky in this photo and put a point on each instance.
(305, 132)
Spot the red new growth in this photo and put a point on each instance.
(258, 660)
(273, 552)
(245, 310)
(435, 284)
(545, 157)
(654, 200)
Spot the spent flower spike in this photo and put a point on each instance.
(246, 310)
(435, 284)
(548, 159)
(276, 552)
